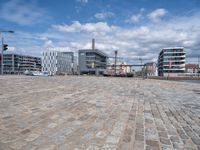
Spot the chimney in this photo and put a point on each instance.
(93, 44)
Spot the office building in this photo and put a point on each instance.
(171, 61)
(55, 62)
(18, 64)
(92, 61)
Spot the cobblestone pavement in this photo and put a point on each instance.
(97, 113)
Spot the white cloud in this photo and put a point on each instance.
(100, 27)
(48, 44)
(11, 49)
(131, 43)
(104, 15)
(61, 49)
(74, 27)
(129, 34)
(135, 18)
(157, 14)
(82, 1)
(22, 13)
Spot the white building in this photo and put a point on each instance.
(55, 62)
(121, 69)
(150, 69)
(171, 61)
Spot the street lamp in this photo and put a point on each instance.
(140, 59)
(115, 62)
(2, 47)
(18, 65)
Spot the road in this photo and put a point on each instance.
(98, 113)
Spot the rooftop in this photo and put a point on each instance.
(192, 66)
(23, 55)
(173, 48)
(95, 51)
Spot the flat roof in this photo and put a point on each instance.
(169, 48)
(173, 48)
(57, 51)
(95, 50)
(9, 53)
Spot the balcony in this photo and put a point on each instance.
(175, 56)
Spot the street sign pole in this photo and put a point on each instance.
(3, 48)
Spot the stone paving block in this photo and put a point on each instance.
(175, 139)
(196, 141)
(166, 147)
(52, 125)
(17, 144)
(93, 147)
(112, 139)
(109, 147)
(139, 137)
(40, 141)
(152, 143)
(48, 147)
(163, 134)
(152, 148)
(85, 112)
(151, 134)
(101, 134)
(165, 141)
(138, 145)
(177, 145)
(4, 146)
(29, 147)
(32, 137)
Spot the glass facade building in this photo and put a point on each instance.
(18, 64)
(55, 62)
(92, 61)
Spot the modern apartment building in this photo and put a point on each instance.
(18, 64)
(171, 61)
(55, 62)
(92, 61)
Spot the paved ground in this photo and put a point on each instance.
(92, 113)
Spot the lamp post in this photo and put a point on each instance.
(2, 47)
(198, 71)
(115, 62)
(141, 66)
(18, 65)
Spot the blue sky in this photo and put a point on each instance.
(136, 28)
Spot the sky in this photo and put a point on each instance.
(136, 28)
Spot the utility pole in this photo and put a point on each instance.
(141, 66)
(115, 62)
(198, 66)
(18, 67)
(2, 65)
